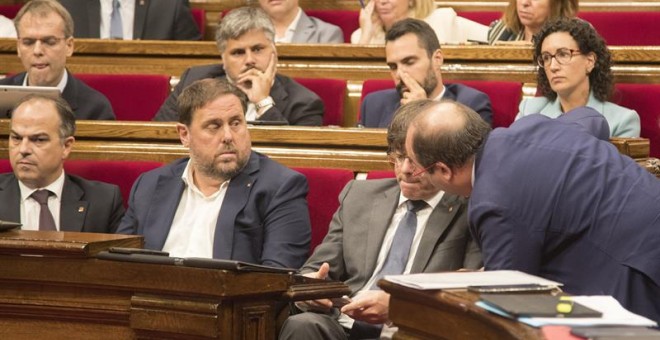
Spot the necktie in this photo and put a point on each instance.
(116, 29)
(397, 257)
(46, 221)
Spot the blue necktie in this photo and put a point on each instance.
(116, 29)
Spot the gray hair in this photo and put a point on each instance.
(240, 21)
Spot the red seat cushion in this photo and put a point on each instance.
(332, 93)
(199, 15)
(348, 21)
(643, 98)
(378, 174)
(135, 97)
(5, 166)
(10, 11)
(625, 28)
(322, 199)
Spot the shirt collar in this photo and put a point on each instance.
(60, 86)
(55, 187)
(187, 178)
(432, 202)
(444, 88)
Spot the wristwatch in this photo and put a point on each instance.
(266, 102)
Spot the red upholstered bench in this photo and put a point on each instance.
(482, 17)
(199, 14)
(378, 174)
(504, 96)
(5, 166)
(322, 199)
(626, 28)
(348, 21)
(135, 97)
(332, 93)
(643, 98)
(10, 11)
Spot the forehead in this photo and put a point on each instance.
(406, 46)
(248, 39)
(558, 40)
(36, 116)
(48, 24)
(222, 108)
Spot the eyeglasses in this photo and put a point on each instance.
(398, 159)
(563, 57)
(48, 42)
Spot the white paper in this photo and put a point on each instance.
(452, 280)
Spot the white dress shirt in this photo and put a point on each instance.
(127, 9)
(30, 209)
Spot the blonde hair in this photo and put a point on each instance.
(419, 9)
(558, 9)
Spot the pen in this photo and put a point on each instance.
(564, 305)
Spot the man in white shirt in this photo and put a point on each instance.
(292, 25)
(38, 193)
(363, 235)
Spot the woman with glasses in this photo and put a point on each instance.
(523, 18)
(575, 70)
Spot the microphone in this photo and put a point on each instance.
(7, 225)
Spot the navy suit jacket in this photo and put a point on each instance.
(154, 19)
(378, 108)
(85, 102)
(552, 200)
(85, 206)
(263, 218)
(294, 103)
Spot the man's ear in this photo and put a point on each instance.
(182, 129)
(437, 58)
(445, 172)
(68, 144)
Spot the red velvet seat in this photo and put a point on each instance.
(482, 17)
(643, 98)
(332, 93)
(504, 96)
(5, 166)
(378, 174)
(199, 14)
(324, 188)
(10, 11)
(348, 21)
(625, 28)
(135, 97)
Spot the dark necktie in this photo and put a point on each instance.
(46, 220)
(116, 29)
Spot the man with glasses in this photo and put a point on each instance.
(550, 197)
(44, 42)
(366, 234)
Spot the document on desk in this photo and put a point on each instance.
(455, 280)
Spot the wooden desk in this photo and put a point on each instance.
(51, 286)
(435, 314)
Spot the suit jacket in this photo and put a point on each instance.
(378, 108)
(294, 103)
(85, 102)
(552, 200)
(623, 122)
(311, 30)
(263, 218)
(154, 19)
(87, 206)
(357, 230)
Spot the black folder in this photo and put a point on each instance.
(537, 305)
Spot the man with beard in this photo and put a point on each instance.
(245, 39)
(414, 57)
(365, 236)
(225, 201)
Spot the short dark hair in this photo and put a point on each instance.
(396, 132)
(202, 92)
(67, 118)
(426, 36)
(601, 80)
(42, 8)
(452, 146)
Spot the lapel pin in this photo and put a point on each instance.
(451, 208)
(249, 185)
(81, 209)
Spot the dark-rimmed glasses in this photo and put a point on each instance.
(563, 56)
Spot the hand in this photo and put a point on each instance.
(414, 89)
(370, 24)
(370, 306)
(321, 305)
(256, 83)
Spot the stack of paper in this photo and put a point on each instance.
(452, 280)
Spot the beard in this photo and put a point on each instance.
(429, 84)
(222, 171)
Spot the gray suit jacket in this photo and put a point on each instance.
(154, 19)
(358, 228)
(87, 206)
(311, 30)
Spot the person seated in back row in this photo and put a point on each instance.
(45, 40)
(414, 57)
(38, 193)
(292, 25)
(133, 19)
(245, 40)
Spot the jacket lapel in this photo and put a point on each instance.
(73, 208)
(164, 203)
(304, 29)
(277, 91)
(440, 220)
(10, 196)
(381, 213)
(141, 8)
(235, 200)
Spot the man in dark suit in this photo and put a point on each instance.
(292, 25)
(361, 235)
(225, 201)
(414, 57)
(551, 197)
(40, 139)
(245, 40)
(142, 19)
(45, 40)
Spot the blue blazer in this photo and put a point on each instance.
(263, 218)
(623, 122)
(378, 108)
(552, 200)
